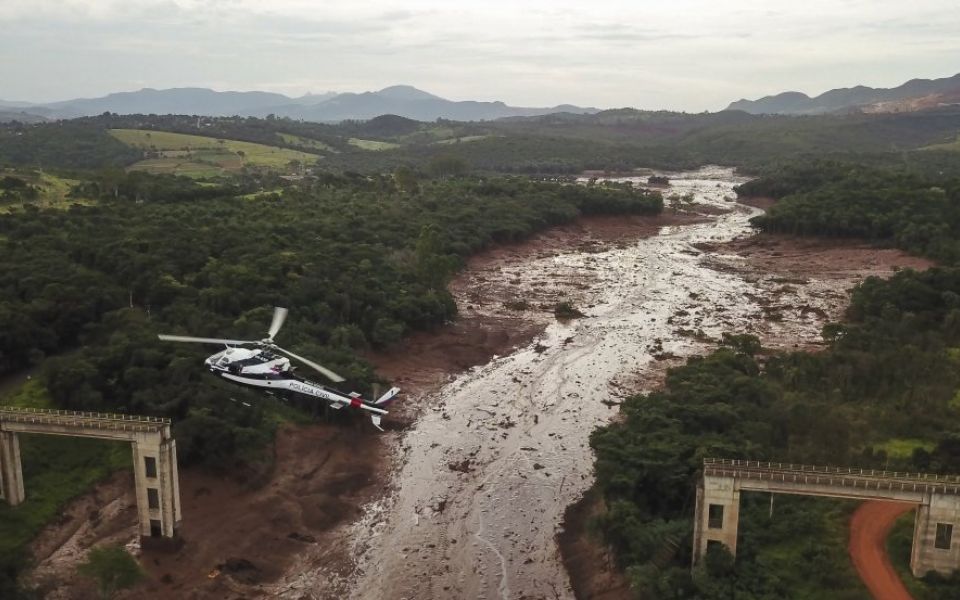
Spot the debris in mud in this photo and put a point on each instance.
(538, 466)
(300, 537)
(807, 309)
(517, 305)
(240, 569)
(540, 348)
(565, 311)
(463, 466)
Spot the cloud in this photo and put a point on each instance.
(684, 54)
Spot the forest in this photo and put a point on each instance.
(916, 211)
(359, 263)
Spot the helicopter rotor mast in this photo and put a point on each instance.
(279, 317)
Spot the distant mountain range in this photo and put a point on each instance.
(402, 100)
(916, 94)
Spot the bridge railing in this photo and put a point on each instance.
(858, 479)
(879, 473)
(92, 420)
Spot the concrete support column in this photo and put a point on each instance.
(936, 536)
(717, 515)
(11, 471)
(158, 493)
(170, 488)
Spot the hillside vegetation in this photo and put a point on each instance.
(614, 140)
(201, 156)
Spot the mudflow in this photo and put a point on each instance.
(484, 477)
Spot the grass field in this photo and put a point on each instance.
(372, 144)
(902, 448)
(303, 142)
(200, 156)
(952, 146)
(53, 190)
(464, 139)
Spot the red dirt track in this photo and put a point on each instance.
(869, 527)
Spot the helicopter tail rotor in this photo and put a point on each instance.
(388, 397)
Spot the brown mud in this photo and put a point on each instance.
(489, 323)
(236, 537)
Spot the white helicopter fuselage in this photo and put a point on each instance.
(262, 364)
(260, 368)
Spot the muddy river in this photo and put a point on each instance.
(483, 478)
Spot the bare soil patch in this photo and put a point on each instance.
(237, 538)
(761, 202)
(821, 258)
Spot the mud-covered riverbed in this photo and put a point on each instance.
(485, 475)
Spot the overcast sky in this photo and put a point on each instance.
(678, 54)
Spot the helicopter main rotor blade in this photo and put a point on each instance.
(202, 340)
(279, 316)
(319, 368)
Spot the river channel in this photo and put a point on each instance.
(484, 476)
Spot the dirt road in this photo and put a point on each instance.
(868, 535)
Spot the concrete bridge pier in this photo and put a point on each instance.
(936, 535)
(718, 515)
(157, 486)
(11, 474)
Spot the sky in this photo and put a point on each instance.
(690, 55)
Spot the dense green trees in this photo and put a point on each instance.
(65, 144)
(358, 261)
(917, 212)
(112, 568)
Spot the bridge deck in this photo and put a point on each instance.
(82, 420)
(855, 480)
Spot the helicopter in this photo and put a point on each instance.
(260, 364)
